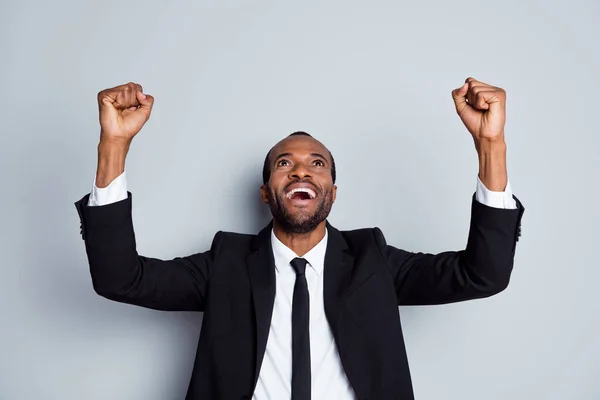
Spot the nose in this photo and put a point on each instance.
(299, 172)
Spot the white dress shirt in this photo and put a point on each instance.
(328, 379)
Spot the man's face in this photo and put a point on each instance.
(300, 191)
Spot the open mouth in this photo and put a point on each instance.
(301, 193)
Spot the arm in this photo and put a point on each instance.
(484, 267)
(118, 271)
(481, 270)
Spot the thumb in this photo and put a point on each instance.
(460, 98)
(146, 102)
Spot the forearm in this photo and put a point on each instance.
(111, 162)
(492, 163)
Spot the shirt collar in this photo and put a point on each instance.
(315, 256)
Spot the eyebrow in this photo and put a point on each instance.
(318, 155)
(282, 155)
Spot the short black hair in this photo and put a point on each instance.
(267, 168)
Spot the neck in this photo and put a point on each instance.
(300, 243)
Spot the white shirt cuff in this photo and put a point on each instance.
(115, 191)
(495, 199)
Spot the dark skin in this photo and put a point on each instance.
(299, 161)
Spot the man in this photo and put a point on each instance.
(301, 310)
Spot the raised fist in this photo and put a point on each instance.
(482, 109)
(123, 110)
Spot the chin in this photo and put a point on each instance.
(303, 213)
(301, 228)
(300, 221)
(297, 218)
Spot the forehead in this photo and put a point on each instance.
(300, 146)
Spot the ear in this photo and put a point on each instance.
(333, 194)
(264, 193)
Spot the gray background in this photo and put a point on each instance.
(372, 81)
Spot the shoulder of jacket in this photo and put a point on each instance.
(361, 237)
(234, 237)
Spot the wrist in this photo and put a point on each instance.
(496, 143)
(113, 143)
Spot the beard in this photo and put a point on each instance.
(300, 221)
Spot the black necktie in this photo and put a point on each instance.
(300, 335)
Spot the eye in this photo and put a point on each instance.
(319, 163)
(283, 163)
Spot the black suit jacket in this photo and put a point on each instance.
(233, 283)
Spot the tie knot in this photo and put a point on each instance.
(299, 265)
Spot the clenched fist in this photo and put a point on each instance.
(482, 108)
(123, 110)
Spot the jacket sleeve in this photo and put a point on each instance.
(481, 270)
(119, 273)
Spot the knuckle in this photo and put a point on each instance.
(103, 94)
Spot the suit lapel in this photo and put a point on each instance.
(343, 275)
(261, 269)
(337, 276)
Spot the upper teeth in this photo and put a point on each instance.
(310, 192)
